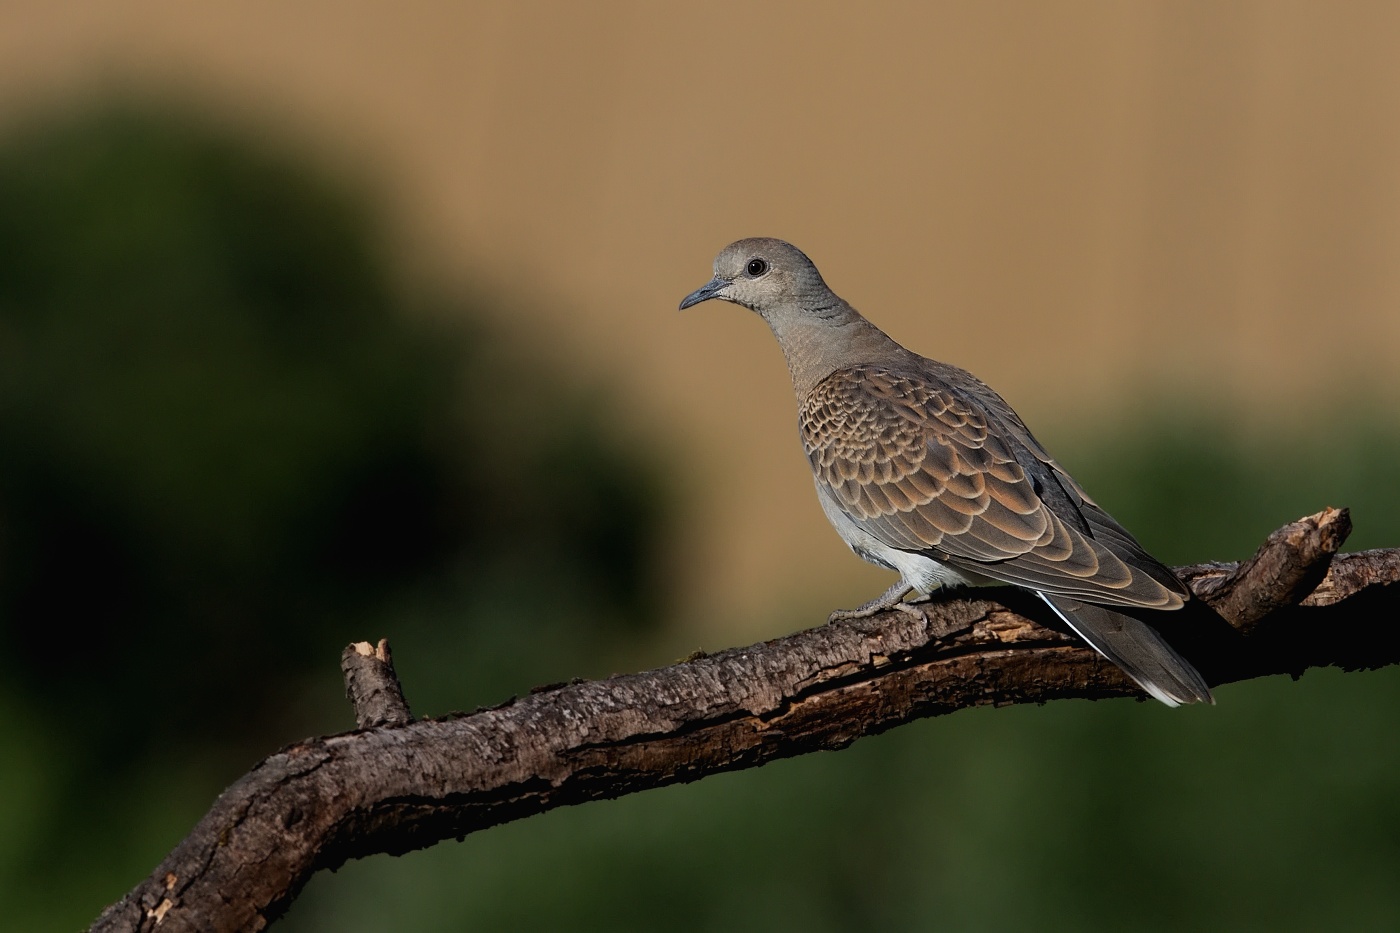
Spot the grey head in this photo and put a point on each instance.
(818, 332)
(767, 276)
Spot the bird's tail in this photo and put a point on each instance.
(1137, 648)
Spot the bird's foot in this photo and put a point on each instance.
(891, 599)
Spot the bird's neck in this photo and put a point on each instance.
(817, 344)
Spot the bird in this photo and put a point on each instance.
(923, 469)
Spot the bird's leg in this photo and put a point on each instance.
(892, 598)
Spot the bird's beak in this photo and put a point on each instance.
(711, 289)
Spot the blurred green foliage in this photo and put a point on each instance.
(1199, 486)
(227, 443)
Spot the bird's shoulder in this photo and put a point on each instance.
(872, 406)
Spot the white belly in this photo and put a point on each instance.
(921, 573)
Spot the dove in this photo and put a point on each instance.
(924, 470)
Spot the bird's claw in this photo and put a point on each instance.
(872, 609)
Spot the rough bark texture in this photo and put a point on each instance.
(401, 787)
(372, 686)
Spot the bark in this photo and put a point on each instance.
(405, 784)
(372, 686)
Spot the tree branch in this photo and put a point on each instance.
(372, 686)
(406, 786)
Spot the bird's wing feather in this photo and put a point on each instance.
(929, 465)
(1101, 526)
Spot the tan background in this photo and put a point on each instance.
(1085, 203)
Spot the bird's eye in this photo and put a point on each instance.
(757, 267)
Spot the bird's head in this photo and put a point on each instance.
(764, 275)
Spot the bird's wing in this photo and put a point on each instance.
(1100, 526)
(924, 464)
